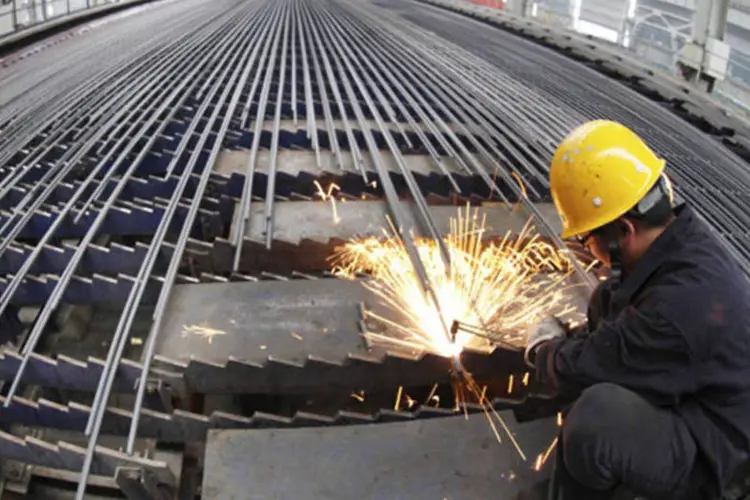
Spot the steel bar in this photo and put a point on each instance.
(247, 192)
(395, 209)
(10, 290)
(238, 76)
(271, 185)
(67, 275)
(129, 313)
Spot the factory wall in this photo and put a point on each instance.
(6, 18)
(32, 12)
(556, 12)
(656, 30)
(662, 27)
(609, 14)
(659, 31)
(602, 18)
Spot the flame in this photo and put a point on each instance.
(500, 287)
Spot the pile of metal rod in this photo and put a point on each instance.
(121, 127)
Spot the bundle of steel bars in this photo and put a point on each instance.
(182, 142)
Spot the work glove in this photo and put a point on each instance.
(549, 328)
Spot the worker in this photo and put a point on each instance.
(662, 380)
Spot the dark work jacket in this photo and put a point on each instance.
(677, 331)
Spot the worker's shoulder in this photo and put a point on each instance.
(698, 258)
(701, 286)
(707, 263)
(692, 276)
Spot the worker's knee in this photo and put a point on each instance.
(600, 408)
(594, 429)
(603, 407)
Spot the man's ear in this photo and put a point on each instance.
(626, 228)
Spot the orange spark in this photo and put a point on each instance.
(432, 393)
(508, 284)
(397, 406)
(328, 195)
(542, 458)
(410, 402)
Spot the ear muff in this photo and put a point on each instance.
(611, 234)
(656, 206)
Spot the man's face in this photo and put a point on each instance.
(596, 246)
(628, 240)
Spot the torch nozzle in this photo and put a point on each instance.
(455, 326)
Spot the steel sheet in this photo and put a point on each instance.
(444, 458)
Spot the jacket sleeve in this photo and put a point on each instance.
(642, 349)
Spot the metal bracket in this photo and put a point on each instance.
(159, 395)
(139, 484)
(16, 477)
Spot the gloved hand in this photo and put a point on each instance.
(547, 329)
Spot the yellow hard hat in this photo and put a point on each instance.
(601, 170)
